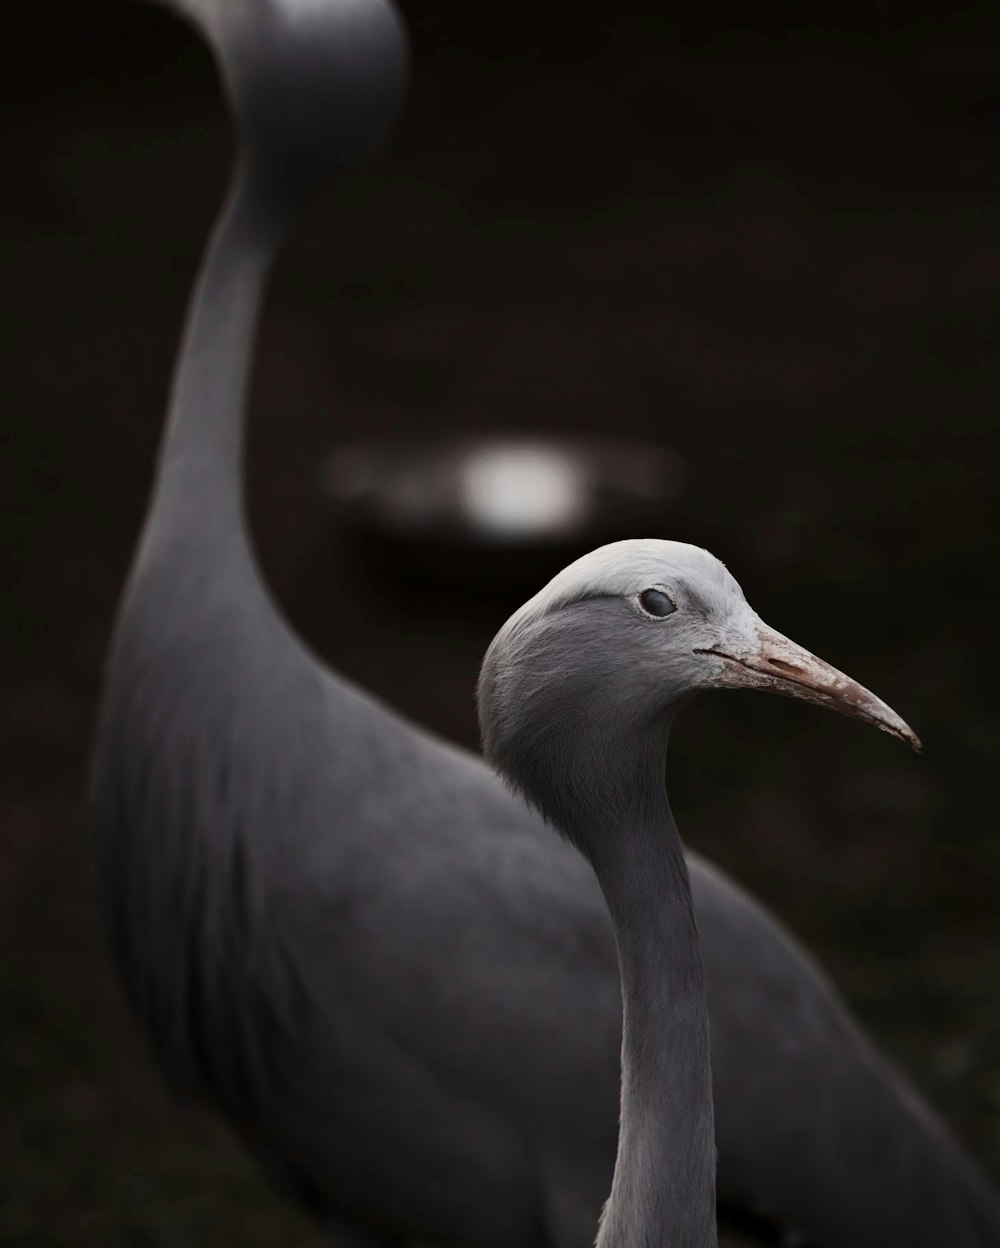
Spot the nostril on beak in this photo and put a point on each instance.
(781, 666)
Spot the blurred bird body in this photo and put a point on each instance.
(348, 934)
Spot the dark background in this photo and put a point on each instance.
(764, 237)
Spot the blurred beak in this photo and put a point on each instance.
(774, 663)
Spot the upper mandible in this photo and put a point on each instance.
(314, 84)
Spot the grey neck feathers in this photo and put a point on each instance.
(198, 499)
(663, 1194)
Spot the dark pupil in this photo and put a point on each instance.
(656, 603)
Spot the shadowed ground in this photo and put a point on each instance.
(776, 252)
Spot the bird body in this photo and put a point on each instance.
(380, 965)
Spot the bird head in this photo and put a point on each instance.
(314, 84)
(593, 668)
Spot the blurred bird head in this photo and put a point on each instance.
(314, 85)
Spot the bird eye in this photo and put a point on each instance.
(656, 603)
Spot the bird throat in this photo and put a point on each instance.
(201, 456)
(664, 1183)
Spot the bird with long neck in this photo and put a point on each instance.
(348, 934)
(576, 698)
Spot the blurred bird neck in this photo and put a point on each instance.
(663, 1192)
(199, 487)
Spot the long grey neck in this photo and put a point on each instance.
(663, 1194)
(198, 498)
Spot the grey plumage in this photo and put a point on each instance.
(395, 982)
(577, 695)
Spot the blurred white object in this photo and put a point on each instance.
(503, 492)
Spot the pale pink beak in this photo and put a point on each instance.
(775, 663)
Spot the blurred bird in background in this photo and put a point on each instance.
(399, 988)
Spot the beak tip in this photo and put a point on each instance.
(905, 733)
